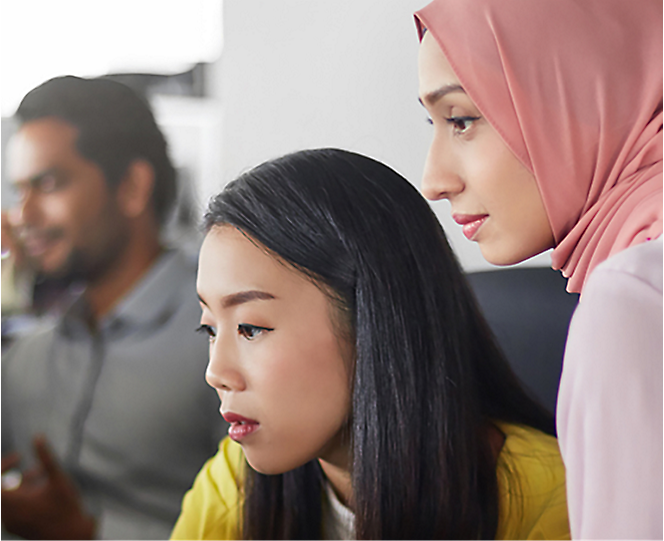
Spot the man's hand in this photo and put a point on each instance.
(10, 461)
(46, 505)
(11, 476)
(11, 245)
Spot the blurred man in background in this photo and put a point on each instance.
(106, 414)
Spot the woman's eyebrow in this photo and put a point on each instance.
(245, 296)
(430, 98)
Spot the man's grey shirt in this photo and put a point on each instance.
(126, 409)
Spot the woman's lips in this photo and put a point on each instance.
(240, 427)
(470, 222)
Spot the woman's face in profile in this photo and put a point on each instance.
(493, 196)
(275, 359)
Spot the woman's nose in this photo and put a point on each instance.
(441, 179)
(223, 372)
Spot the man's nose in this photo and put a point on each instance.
(27, 210)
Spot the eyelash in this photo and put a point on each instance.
(455, 120)
(244, 329)
(209, 331)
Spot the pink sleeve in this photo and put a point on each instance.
(610, 408)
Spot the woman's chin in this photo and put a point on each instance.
(503, 257)
(270, 466)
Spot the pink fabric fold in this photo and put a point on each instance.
(588, 126)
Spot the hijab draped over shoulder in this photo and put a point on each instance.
(574, 87)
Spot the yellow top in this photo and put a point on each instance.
(531, 480)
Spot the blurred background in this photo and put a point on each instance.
(236, 82)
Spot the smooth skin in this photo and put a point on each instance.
(470, 165)
(276, 357)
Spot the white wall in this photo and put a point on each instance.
(300, 74)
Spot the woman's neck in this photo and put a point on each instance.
(340, 480)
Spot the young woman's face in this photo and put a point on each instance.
(275, 358)
(493, 196)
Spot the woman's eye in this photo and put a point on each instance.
(251, 331)
(461, 124)
(207, 329)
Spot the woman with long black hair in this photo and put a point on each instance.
(363, 386)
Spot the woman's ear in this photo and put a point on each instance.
(134, 193)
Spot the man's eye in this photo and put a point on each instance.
(461, 124)
(207, 329)
(251, 331)
(47, 183)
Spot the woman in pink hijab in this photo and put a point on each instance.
(547, 121)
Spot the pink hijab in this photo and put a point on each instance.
(574, 87)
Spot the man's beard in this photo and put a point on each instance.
(88, 266)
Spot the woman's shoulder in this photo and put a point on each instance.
(211, 508)
(642, 262)
(530, 444)
(531, 478)
(227, 468)
(619, 317)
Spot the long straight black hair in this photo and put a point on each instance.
(428, 376)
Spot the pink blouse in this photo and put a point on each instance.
(610, 400)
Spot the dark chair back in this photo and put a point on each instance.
(529, 311)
